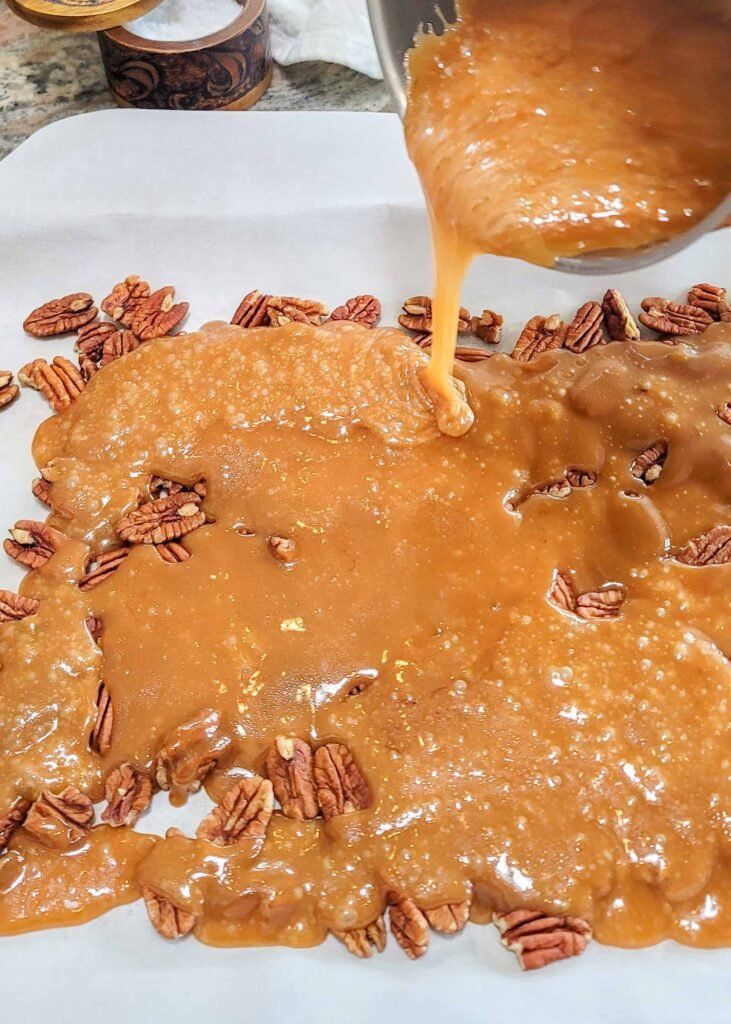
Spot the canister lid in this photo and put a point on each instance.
(81, 15)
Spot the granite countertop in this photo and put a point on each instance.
(46, 75)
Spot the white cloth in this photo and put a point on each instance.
(333, 30)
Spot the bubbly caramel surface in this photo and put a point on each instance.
(513, 750)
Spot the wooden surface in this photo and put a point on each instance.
(80, 15)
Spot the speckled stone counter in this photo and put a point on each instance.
(47, 75)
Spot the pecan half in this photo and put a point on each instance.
(168, 920)
(124, 299)
(649, 464)
(12, 821)
(162, 520)
(724, 413)
(487, 327)
(90, 339)
(190, 752)
(361, 309)
(605, 603)
(341, 788)
(14, 607)
(32, 543)
(42, 490)
(60, 316)
(539, 939)
(252, 310)
(585, 330)
(562, 591)
(60, 382)
(289, 767)
(60, 820)
(161, 487)
(417, 315)
(287, 309)
(103, 567)
(450, 918)
(128, 792)
(621, 325)
(158, 314)
(422, 340)
(8, 391)
(101, 735)
(471, 354)
(672, 318)
(712, 548)
(172, 552)
(117, 345)
(244, 810)
(572, 480)
(710, 297)
(284, 549)
(88, 367)
(541, 334)
(409, 926)
(362, 941)
(95, 627)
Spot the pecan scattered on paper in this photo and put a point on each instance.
(158, 314)
(252, 310)
(162, 520)
(361, 309)
(539, 939)
(487, 327)
(102, 567)
(8, 390)
(42, 490)
(128, 792)
(284, 549)
(90, 339)
(712, 548)
(14, 607)
(450, 918)
(124, 299)
(244, 810)
(32, 543)
(60, 382)
(362, 941)
(672, 318)
(287, 309)
(190, 752)
(289, 767)
(172, 552)
(61, 316)
(95, 627)
(585, 330)
(12, 821)
(117, 345)
(417, 315)
(648, 465)
(541, 334)
(409, 926)
(422, 340)
(621, 325)
(168, 920)
(710, 297)
(341, 788)
(101, 735)
(471, 354)
(60, 820)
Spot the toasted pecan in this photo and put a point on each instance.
(488, 326)
(12, 821)
(14, 607)
(287, 309)
(118, 344)
(60, 382)
(712, 548)
(290, 769)
(101, 735)
(162, 520)
(361, 309)
(42, 490)
(124, 299)
(128, 792)
(539, 939)
(190, 752)
(245, 809)
(341, 788)
(252, 310)
(102, 567)
(409, 926)
(417, 316)
(620, 324)
(157, 315)
(61, 316)
(60, 820)
(672, 318)
(284, 549)
(168, 920)
(8, 390)
(449, 918)
(541, 334)
(585, 330)
(648, 465)
(32, 543)
(710, 297)
(361, 942)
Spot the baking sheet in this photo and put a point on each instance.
(327, 206)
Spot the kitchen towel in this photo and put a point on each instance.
(333, 30)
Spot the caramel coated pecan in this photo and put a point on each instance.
(361, 309)
(124, 299)
(649, 464)
(710, 297)
(724, 412)
(32, 543)
(417, 315)
(60, 820)
(284, 549)
(168, 920)
(289, 767)
(158, 314)
(672, 319)
(539, 939)
(604, 603)
(190, 752)
(362, 941)
(162, 520)
(8, 390)
(128, 792)
(101, 735)
(161, 487)
(42, 490)
(117, 345)
(172, 552)
(14, 607)
(288, 309)
(621, 325)
(562, 591)
(540, 334)
(450, 918)
(244, 810)
(102, 567)
(60, 316)
(409, 926)
(487, 327)
(341, 788)
(572, 480)
(712, 548)
(95, 627)
(252, 310)
(12, 821)
(90, 339)
(585, 330)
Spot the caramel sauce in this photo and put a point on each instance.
(555, 128)
(513, 750)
